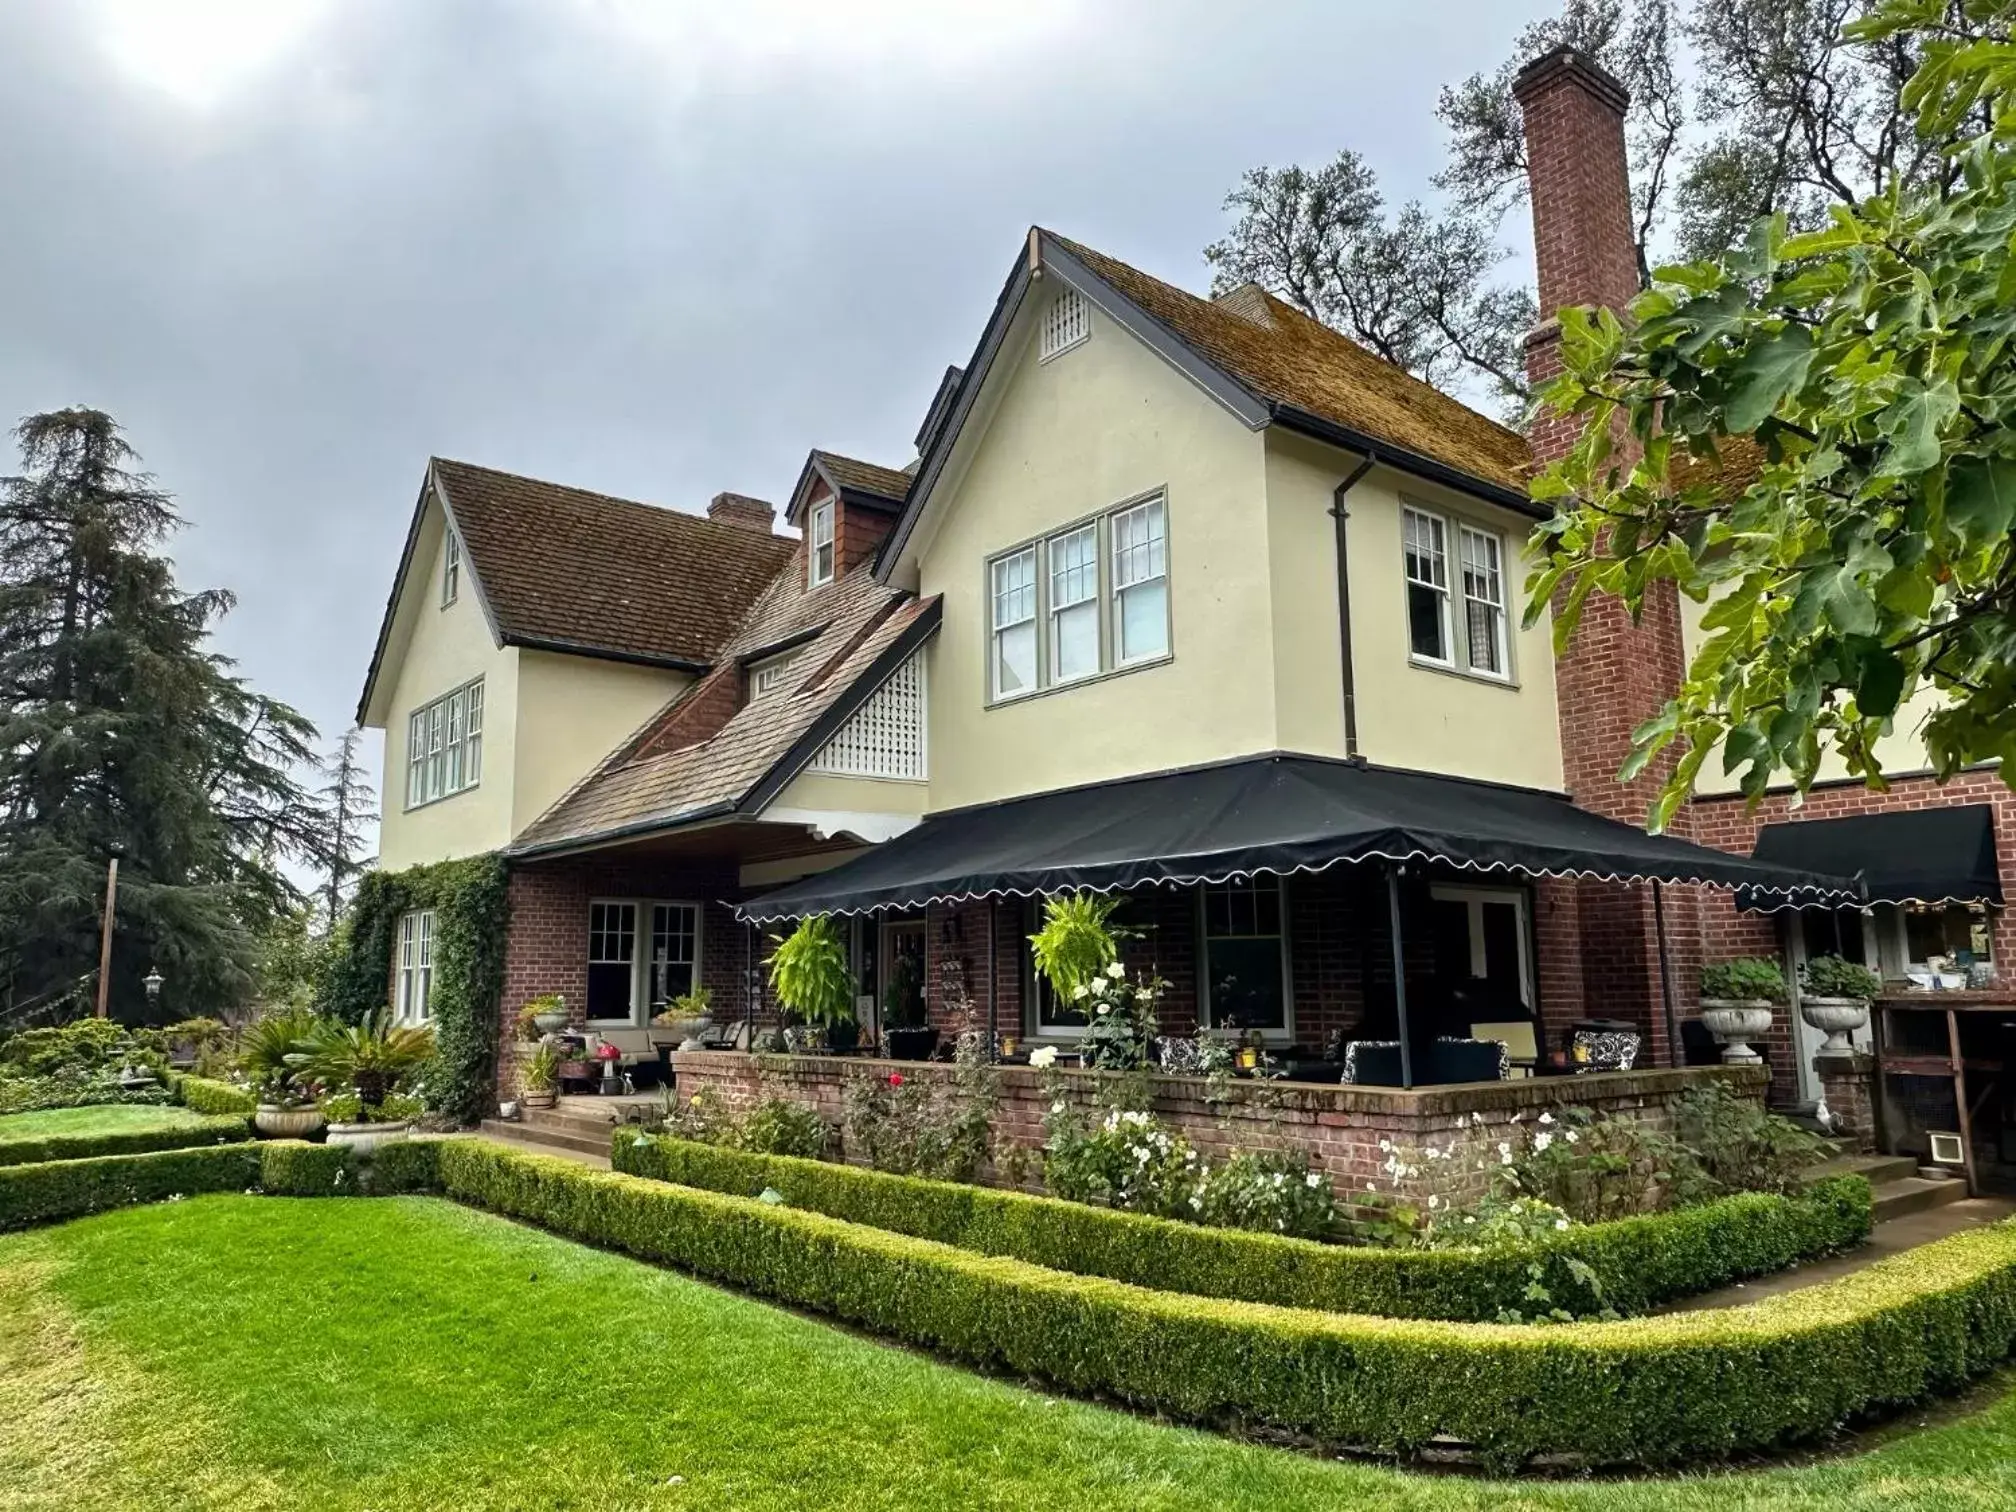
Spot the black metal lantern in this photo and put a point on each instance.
(152, 982)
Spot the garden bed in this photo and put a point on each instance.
(1627, 1266)
(110, 1129)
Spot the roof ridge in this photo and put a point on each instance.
(742, 534)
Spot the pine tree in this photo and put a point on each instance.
(347, 805)
(122, 732)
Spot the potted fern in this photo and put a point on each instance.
(1736, 1002)
(808, 972)
(1834, 997)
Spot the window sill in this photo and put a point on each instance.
(1088, 681)
(413, 808)
(1487, 679)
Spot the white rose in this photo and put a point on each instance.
(1116, 971)
(1560, 1223)
(1043, 1059)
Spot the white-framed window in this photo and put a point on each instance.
(1140, 583)
(451, 568)
(1244, 952)
(1483, 560)
(768, 677)
(1091, 598)
(887, 736)
(819, 544)
(1461, 623)
(634, 972)
(444, 746)
(1427, 588)
(1066, 323)
(416, 966)
(1012, 590)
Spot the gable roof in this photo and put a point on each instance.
(854, 481)
(1265, 361)
(565, 569)
(848, 637)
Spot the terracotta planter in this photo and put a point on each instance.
(1735, 1024)
(1837, 1018)
(366, 1137)
(276, 1122)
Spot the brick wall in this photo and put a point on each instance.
(1340, 1128)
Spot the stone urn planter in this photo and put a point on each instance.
(1734, 1023)
(552, 1021)
(1837, 1018)
(366, 1137)
(685, 1033)
(278, 1122)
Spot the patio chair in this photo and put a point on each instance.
(1594, 1049)
(1468, 1060)
(1178, 1056)
(1521, 1039)
(1372, 1063)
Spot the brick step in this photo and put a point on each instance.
(557, 1139)
(566, 1122)
(1877, 1170)
(1914, 1194)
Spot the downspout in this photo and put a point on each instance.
(1350, 677)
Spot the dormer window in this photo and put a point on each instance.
(451, 569)
(1066, 323)
(767, 677)
(820, 539)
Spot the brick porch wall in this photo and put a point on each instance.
(1339, 1127)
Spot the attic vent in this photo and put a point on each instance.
(885, 738)
(1067, 322)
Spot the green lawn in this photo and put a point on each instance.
(257, 1352)
(113, 1118)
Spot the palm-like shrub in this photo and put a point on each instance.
(373, 1059)
(269, 1055)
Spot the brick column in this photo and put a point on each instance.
(1617, 672)
(1848, 1087)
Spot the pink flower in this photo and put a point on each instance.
(895, 1078)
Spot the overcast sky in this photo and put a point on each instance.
(651, 247)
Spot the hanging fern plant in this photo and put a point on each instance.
(1077, 941)
(808, 972)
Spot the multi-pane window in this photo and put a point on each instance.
(1087, 600)
(1067, 322)
(1427, 587)
(451, 569)
(444, 746)
(1476, 639)
(1245, 959)
(416, 965)
(1013, 582)
(626, 983)
(1483, 601)
(1140, 583)
(769, 676)
(820, 544)
(1074, 604)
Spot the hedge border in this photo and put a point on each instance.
(1637, 1263)
(1647, 1391)
(200, 1094)
(210, 1131)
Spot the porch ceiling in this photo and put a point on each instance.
(1277, 814)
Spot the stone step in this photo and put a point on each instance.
(1914, 1194)
(557, 1139)
(566, 1122)
(1875, 1169)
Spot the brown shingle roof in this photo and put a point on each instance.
(566, 567)
(1284, 357)
(864, 477)
(642, 784)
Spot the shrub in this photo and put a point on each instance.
(1743, 1148)
(1597, 1169)
(779, 1126)
(1747, 979)
(909, 1127)
(201, 1095)
(52, 1190)
(1648, 1391)
(80, 1044)
(1271, 1191)
(75, 1087)
(292, 1168)
(1123, 1159)
(1831, 976)
(1636, 1263)
(405, 1165)
(227, 1130)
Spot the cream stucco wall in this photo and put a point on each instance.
(1051, 444)
(1901, 751)
(572, 712)
(822, 792)
(436, 650)
(1408, 715)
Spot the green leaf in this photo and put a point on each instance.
(1771, 369)
(1912, 423)
(1981, 498)
(1881, 683)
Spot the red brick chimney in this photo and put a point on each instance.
(740, 509)
(1616, 674)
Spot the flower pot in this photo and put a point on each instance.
(913, 1043)
(276, 1122)
(550, 1022)
(366, 1137)
(1735, 1024)
(1837, 1018)
(685, 1033)
(543, 1097)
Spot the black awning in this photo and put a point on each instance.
(1278, 814)
(1935, 855)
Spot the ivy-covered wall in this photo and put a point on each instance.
(471, 920)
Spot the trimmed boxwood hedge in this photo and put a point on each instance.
(1637, 1262)
(43, 1193)
(1645, 1391)
(199, 1094)
(226, 1130)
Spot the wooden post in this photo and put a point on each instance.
(105, 935)
(1399, 974)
